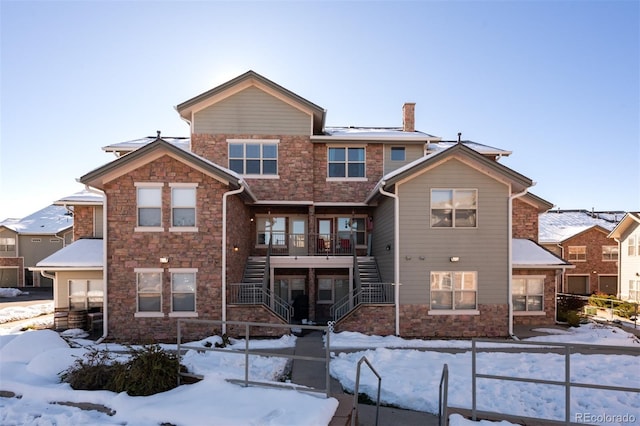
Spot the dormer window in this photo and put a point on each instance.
(254, 157)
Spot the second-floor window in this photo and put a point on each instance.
(346, 162)
(271, 229)
(577, 254)
(609, 253)
(183, 205)
(397, 153)
(149, 205)
(631, 251)
(454, 208)
(7, 244)
(254, 158)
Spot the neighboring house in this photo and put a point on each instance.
(581, 238)
(627, 235)
(266, 214)
(24, 242)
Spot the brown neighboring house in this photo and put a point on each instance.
(266, 214)
(581, 238)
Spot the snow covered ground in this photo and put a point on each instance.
(30, 362)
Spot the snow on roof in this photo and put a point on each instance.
(50, 220)
(83, 253)
(82, 197)
(374, 132)
(559, 225)
(527, 252)
(181, 142)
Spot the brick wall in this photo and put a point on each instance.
(594, 266)
(369, 319)
(128, 250)
(83, 226)
(254, 314)
(524, 220)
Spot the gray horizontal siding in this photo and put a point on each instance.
(483, 249)
(383, 236)
(252, 111)
(412, 152)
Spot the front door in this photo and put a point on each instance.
(293, 290)
(298, 236)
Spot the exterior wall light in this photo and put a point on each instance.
(454, 259)
(164, 260)
(235, 247)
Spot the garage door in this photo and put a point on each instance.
(8, 277)
(608, 285)
(578, 284)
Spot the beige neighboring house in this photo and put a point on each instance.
(24, 242)
(77, 269)
(627, 235)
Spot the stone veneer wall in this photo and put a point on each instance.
(128, 250)
(492, 322)
(83, 226)
(254, 314)
(549, 302)
(369, 319)
(524, 220)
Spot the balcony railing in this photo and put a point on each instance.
(337, 244)
(251, 294)
(369, 294)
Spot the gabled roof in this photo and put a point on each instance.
(128, 146)
(557, 226)
(248, 79)
(529, 254)
(631, 219)
(82, 198)
(85, 254)
(459, 150)
(50, 220)
(540, 203)
(98, 177)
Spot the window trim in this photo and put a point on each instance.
(631, 245)
(397, 149)
(613, 250)
(346, 163)
(577, 259)
(453, 310)
(4, 244)
(260, 219)
(190, 314)
(86, 296)
(453, 209)
(179, 185)
(526, 311)
(149, 314)
(260, 142)
(142, 228)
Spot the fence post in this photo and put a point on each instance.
(246, 355)
(473, 379)
(567, 385)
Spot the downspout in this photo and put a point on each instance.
(510, 267)
(396, 252)
(105, 310)
(224, 253)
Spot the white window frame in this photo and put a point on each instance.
(262, 159)
(148, 185)
(527, 294)
(439, 281)
(453, 205)
(190, 271)
(5, 244)
(346, 162)
(182, 186)
(138, 272)
(278, 234)
(631, 245)
(634, 290)
(87, 293)
(576, 257)
(610, 253)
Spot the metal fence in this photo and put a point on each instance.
(564, 348)
(246, 352)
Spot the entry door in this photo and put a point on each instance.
(324, 235)
(298, 236)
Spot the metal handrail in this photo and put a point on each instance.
(253, 294)
(566, 348)
(371, 294)
(246, 352)
(354, 409)
(443, 396)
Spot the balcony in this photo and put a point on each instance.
(338, 244)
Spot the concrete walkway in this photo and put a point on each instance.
(313, 374)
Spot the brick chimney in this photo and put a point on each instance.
(408, 117)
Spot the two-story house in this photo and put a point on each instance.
(24, 242)
(266, 214)
(581, 238)
(627, 235)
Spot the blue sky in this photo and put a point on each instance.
(556, 82)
